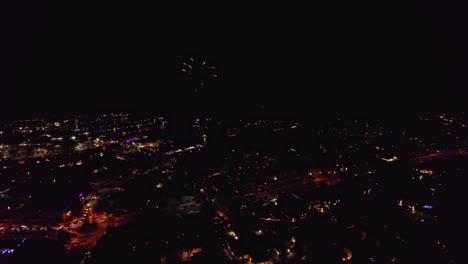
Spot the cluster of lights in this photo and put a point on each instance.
(392, 159)
(7, 250)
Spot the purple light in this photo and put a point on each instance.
(7, 250)
(131, 140)
(81, 195)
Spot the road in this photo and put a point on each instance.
(460, 151)
(88, 240)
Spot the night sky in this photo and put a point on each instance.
(369, 57)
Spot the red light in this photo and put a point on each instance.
(226, 218)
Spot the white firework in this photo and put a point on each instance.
(201, 71)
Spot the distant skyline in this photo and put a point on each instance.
(409, 56)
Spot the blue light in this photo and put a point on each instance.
(7, 250)
(427, 206)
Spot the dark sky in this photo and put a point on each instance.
(367, 56)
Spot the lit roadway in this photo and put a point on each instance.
(460, 151)
(295, 182)
(88, 240)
